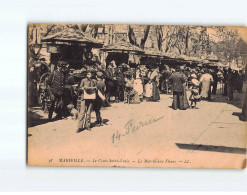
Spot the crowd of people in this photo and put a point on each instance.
(203, 82)
(100, 86)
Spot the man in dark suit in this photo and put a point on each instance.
(56, 81)
(120, 84)
(109, 81)
(177, 80)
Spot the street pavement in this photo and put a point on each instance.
(150, 134)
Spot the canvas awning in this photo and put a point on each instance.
(152, 51)
(122, 46)
(212, 57)
(172, 56)
(70, 36)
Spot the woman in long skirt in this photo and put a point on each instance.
(154, 77)
(138, 85)
(206, 81)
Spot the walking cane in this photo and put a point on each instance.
(84, 119)
(223, 88)
(167, 88)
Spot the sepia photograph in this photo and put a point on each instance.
(115, 95)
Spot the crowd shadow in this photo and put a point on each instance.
(211, 148)
(36, 116)
(35, 119)
(237, 101)
(104, 122)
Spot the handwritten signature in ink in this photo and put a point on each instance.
(132, 126)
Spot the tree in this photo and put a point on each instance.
(133, 38)
(94, 30)
(229, 43)
(145, 36)
(34, 56)
(84, 27)
(159, 36)
(183, 40)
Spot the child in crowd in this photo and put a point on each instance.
(195, 96)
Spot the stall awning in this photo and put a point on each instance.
(212, 57)
(152, 52)
(172, 56)
(70, 36)
(122, 46)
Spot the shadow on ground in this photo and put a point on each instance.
(210, 148)
(36, 119)
(238, 98)
(104, 122)
(239, 115)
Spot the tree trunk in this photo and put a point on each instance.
(35, 56)
(84, 27)
(131, 35)
(146, 32)
(95, 33)
(159, 36)
(187, 42)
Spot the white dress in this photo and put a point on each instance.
(138, 87)
(206, 81)
(148, 90)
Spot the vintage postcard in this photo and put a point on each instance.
(137, 96)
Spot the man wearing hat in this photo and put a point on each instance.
(120, 83)
(110, 83)
(177, 80)
(88, 88)
(56, 81)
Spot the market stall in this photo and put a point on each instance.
(152, 57)
(121, 52)
(172, 59)
(71, 46)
